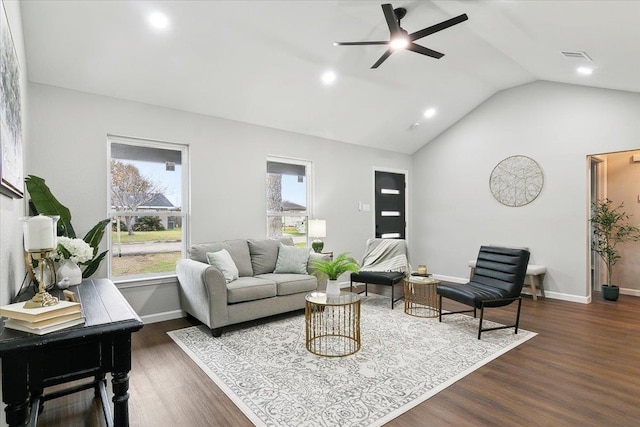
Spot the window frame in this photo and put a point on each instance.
(308, 213)
(151, 278)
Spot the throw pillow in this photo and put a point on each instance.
(222, 261)
(292, 260)
(264, 253)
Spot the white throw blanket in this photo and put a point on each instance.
(385, 255)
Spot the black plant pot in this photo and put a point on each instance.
(610, 293)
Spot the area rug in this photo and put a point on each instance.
(267, 371)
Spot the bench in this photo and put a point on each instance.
(534, 272)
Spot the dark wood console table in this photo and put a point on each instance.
(31, 363)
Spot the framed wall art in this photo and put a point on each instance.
(516, 181)
(11, 166)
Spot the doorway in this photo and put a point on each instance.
(390, 205)
(615, 176)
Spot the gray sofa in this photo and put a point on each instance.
(257, 292)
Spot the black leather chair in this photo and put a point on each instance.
(387, 278)
(497, 281)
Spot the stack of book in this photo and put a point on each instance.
(42, 320)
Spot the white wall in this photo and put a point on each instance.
(228, 169)
(11, 260)
(557, 125)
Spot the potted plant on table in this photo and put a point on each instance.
(44, 202)
(334, 268)
(610, 227)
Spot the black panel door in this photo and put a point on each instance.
(390, 205)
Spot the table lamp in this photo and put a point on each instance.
(317, 228)
(40, 241)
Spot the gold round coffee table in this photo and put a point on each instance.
(332, 323)
(420, 296)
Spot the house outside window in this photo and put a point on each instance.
(288, 198)
(147, 205)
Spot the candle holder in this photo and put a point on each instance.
(42, 298)
(40, 241)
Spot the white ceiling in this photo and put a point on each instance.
(260, 61)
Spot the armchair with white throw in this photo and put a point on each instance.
(384, 263)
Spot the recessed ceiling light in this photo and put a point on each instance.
(328, 77)
(430, 113)
(159, 20)
(585, 71)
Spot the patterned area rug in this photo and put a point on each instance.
(269, 374)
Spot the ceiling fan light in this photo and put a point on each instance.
(399, 42)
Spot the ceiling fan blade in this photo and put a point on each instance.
(425, 51)
(382, 58)
(390, 16)
(438, 27)
(359, 43)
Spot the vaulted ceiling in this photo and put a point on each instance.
(260, 62)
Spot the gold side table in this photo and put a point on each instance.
(420, 296)
(332, 324)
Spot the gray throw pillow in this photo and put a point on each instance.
(223, 262)
(238, 249)
(264, 253)
(292, 260)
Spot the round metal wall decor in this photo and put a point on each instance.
(516, 181)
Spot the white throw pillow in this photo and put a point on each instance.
(292, 260)
(223, 262)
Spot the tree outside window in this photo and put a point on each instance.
(146, 199)
(288, 201)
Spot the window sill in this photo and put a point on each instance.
(146, 281)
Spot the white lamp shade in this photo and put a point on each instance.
(317, 228)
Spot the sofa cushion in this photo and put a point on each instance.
(238, 249)
(292, 259)
(223, 262)
(264, 253)
(288, 284)
(249, 289)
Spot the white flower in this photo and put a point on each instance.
(78, 250)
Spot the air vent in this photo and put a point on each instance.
(576, 55)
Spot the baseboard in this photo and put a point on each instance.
(161, 317)
(566, 297)
(629, 291)
(547, 294)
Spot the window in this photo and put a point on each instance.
(147, 206)
(288, 198)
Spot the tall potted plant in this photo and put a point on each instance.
(610, 227)
(333, 269)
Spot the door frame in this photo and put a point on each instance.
(597, 188)
(404, 172)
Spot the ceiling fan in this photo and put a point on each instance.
(401, 39)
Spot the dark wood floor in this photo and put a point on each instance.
(583, 369)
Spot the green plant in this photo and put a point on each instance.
(335, 267)
(610, 227)
(44, 202)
